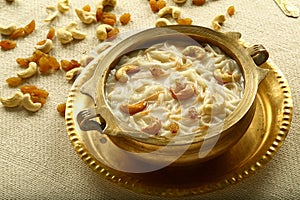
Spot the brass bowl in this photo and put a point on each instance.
(179, 150)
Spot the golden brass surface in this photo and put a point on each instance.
(261, 141)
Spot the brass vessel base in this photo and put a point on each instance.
(260, 143)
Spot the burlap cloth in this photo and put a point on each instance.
(37, 160)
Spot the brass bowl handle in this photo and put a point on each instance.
(258, 53)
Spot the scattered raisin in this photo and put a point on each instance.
(153, 5)
(184, 21)
(198, 2)
(7, 44)
(51, 33)
(19, 32)
(161, 4)
(23, 62)
(113, 32)
(61, 108)
(230, 10)
(99, 13)
(125, 18)
(36, 94)
(29, 28)
(14, 81)
(68, 65)
(86, 8)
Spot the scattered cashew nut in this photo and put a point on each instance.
(13, 101)
(179, 1)
(218, 21)
(85, 16)
(28, 104)
(101, 31)
(173, 10)
(71, 74)
(29, 71)
(7, 30)
(63, 6)
(162, 22)
(102, 3)
(45, 47)
(122, 73)
(52, 13)
(64, 36)
(76, 34)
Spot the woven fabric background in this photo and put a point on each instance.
(37, 160)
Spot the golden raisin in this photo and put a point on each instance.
(7, 44)
(19, 32)
(113, 32)
(99, 13)
(29, 28)
(230, 10)
(36, 94)
(174, 128)
(54, 63)
(61, 108)
(184, 21)
(86, 8)
(125, 18)
(37, 54)
(153, 5)
(14, 81)
(44, 65)
(41, 42)
(27, 88)
(23, 62)
(198, 2)
(68, 65)
(161, 4)
(109, 15)
(109, 21)
(51, 33)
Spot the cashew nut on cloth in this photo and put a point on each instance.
(101, 31)
(218, 21)
(85, 16)
(7, 30)
(52, 13)
(172, 10)
(29, 105)
(45, 47)
(162, 22)
(63, 6)
(102, 3)
(13, 101)
(30, 71)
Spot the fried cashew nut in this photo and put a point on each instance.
(29, 105)
(172, 10)
(157, 72)
(122, 73)
(102, 3)
(52, 13)
(222, 77)
(64, 36)
(153, 128)
(183, 93)
(85, 16)
(179, 1)
(76, 34)
(7, 30)
(30, 71)
(162, 22)
(45, 47)
(71, 74)
(133, 108)
(63, 6)
(13, 101)
(101, 31)
(218, 21)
